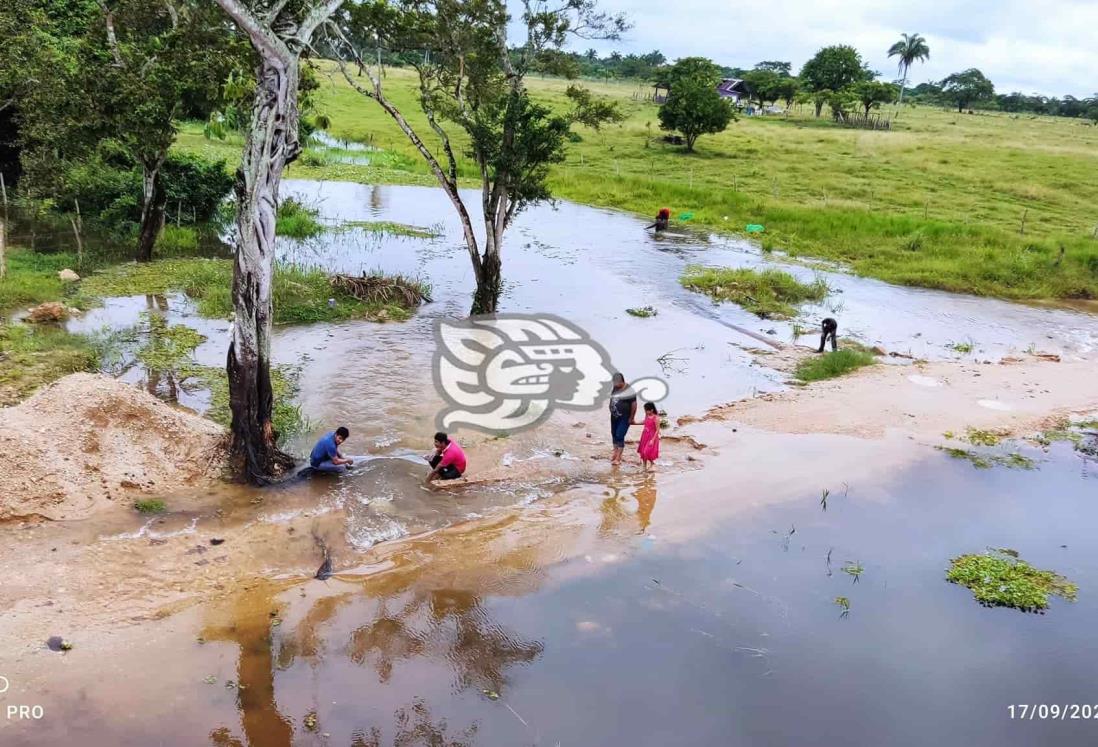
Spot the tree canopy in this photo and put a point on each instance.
(872, 93)
(693, 106)
(967, 87)
(834, 68)
(472, 78)
(909, 49)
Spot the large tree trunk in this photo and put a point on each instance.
(153, 201)
(903, 85)
(272, 142)
(489, 284)
(819, 108)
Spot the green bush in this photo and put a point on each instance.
(297, 220)
(195, 185)
(111, 195)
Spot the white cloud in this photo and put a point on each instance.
(1047, 47)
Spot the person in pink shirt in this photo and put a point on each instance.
(448, 461)
(649, 447)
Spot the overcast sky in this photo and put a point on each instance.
(1033, 46)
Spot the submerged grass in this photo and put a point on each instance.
(999, 578)
(771, 294)
(830, 365)
(301, 294)
(33, 356)
(390, 228)
(1013, 460)
(287, 417)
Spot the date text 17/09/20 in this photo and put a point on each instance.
(1053, 711)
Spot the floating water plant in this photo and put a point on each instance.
(978, 437)
(643, 312)
(854, 570)
(1013, 460)
(844, 605)
(999, 578)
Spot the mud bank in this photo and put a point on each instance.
(925, 399)
(87, 443)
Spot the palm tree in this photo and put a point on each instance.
(909, 49)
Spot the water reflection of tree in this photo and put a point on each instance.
(416, 616)
(416, 727)
(250, 630)
(451, 624)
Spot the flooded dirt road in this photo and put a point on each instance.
(553, 600)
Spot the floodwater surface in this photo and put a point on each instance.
(613, 618)
(551, 601)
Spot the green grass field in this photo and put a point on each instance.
(938, 202)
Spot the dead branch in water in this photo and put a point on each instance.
(383, 289)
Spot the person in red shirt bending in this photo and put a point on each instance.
(448, 461)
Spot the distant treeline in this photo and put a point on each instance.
(1016, 102)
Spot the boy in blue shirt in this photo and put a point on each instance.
(326, 456)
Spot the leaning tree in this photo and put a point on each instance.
(471, 77)
(280, 31)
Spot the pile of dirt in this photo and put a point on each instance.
(87, 442)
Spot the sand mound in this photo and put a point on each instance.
(87, 441)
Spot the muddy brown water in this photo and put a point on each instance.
(615, 617)
(563, 604)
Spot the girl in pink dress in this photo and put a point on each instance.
(649, 447)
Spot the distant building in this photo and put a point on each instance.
(733, 88)
(729, 88)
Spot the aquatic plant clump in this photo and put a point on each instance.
(643, 312)
(999, 578)
(301, 294)
(770, 294)
(391, 228)
(297, 220)
(1013, 460)
(833, 364)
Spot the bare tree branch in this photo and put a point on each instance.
(449, 185)
(112, 38)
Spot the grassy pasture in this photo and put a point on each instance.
(937, 202)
